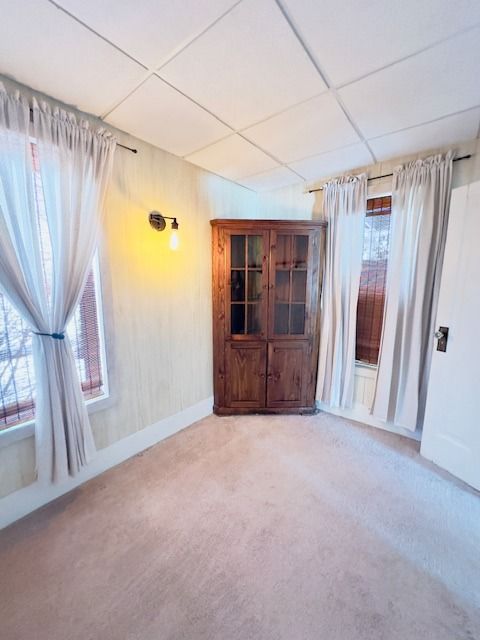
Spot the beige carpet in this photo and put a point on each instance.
(265, 528)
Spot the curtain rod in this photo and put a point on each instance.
(388, 175)
(118, 143)
(127, 148)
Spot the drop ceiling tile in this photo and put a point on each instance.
(447, 131)
(435, 83)
(305, 130)
(332, 163)
(365, 36)
(272, 179)
(152, 33)
(44, 48)
(233, 158)
(247, 67)
(159, 114)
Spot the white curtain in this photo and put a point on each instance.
(75, 164)
(344, 206)
(420, 205)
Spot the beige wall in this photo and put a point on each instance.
(157, 303)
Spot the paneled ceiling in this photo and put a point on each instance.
(263, 92)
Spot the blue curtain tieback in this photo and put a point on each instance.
(55, 336)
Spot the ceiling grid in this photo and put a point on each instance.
(263, 92)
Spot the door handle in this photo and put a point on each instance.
(442, 337)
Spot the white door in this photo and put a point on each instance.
(451, 432)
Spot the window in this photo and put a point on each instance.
(17, 376)
(371, 298)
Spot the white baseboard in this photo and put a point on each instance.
(22, 502)
(361, 413)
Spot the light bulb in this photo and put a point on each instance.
(174, 240)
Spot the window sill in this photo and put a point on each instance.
(27, 429)
(366, 365)
(365, 370)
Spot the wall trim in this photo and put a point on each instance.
(20, 503)
(360, 413)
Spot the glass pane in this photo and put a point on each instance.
(300, 252)
(238, 285)
(281, 318)
(255, 252)
(237, 245)
(283, 251)
(253, 318)
(299, 286)
(297, 319)
(282, 286)
(238, 318)
(254, 285)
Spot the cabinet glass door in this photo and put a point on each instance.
(289, 284)
(247, 285)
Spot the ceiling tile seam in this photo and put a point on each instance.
(99, 35)
(282, 111)
(267, 153)
(323, 75)
(116, 104)
(129, 55)
(296, 32)
(217, 175)
(354, 124)
(210, 144)
(421, 124)
(185, 95)
(410, 55)
(261, 173)
(193, 39)
(151, 70)
(253, 144)
(296, 172)
(322, 153)
(243, 130)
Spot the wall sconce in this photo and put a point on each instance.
(157, 221)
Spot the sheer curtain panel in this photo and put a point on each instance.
(344, 205)
(75, 164)
(420, 204)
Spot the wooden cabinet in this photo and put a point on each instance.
(266, 297)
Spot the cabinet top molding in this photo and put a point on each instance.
(267, 224)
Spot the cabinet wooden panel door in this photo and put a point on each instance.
(266, 322)
(287, 373)
(245, 369)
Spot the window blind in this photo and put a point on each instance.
(371, 298)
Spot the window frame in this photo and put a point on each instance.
(371, 194)
(26, 429)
